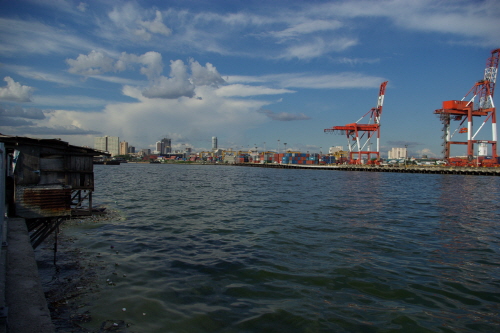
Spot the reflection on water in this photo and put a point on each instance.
(234, 249)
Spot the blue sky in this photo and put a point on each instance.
(248, 72)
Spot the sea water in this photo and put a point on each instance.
(208, 248)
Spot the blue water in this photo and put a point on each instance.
(198, 248)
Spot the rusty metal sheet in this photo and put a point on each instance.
(37, 202)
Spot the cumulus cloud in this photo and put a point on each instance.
(94, 63)
(284, 116)
(207, 75)
(140, 122)
(15, 92)
(175, 86)
(180, 83)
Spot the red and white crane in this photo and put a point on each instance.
(359, 135)
(464, 110)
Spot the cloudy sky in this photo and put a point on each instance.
(249, 72)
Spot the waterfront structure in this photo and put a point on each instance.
(397, 153)
(110, 144)
(47, 181)
(359, 135)
(124, 148)
(464, 111)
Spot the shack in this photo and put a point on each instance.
(46, 182)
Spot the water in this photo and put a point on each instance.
(235, 249)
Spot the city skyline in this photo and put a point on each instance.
(253, 74)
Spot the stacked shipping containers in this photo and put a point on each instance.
(296, 158)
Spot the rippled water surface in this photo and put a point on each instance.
(238, 249)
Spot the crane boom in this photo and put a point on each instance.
(356, 131)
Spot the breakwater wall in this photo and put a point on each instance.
(478, 171)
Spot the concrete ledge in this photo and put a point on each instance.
(27, 306)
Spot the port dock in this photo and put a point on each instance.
(445, 170)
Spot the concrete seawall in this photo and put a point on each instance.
(25, 304)
(408, 169)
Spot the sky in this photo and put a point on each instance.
(251, 73)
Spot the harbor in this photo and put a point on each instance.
(442, 170)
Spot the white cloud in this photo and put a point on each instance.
(32, 73)
(307, 80)
(317, 47)
(246, 90)
(15, 92)
(140, 123)
(331, 81)
(177, 85)
(24, 37)
(181, 83)
(129, 18)
(463, 19)
(284, 116)
(94, 63)
(73, 101)
(156, 26)
(307, 27)
(207, 75)
(82, 7)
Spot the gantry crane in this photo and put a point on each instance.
(463, 110)
(359, 135)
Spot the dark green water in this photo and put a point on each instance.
(235, 249)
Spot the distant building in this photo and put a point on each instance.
(214, 143)
(110, 144)
(131, 149)
(164, 146)
(397, 153)
(335, 149)
(483, 149)
(124, 148)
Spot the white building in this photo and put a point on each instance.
(397, 153)
(335, 149)
(111, 144)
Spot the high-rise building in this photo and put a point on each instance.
(123, 148)
(110, 144)
(214, 143)
(166, 146)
